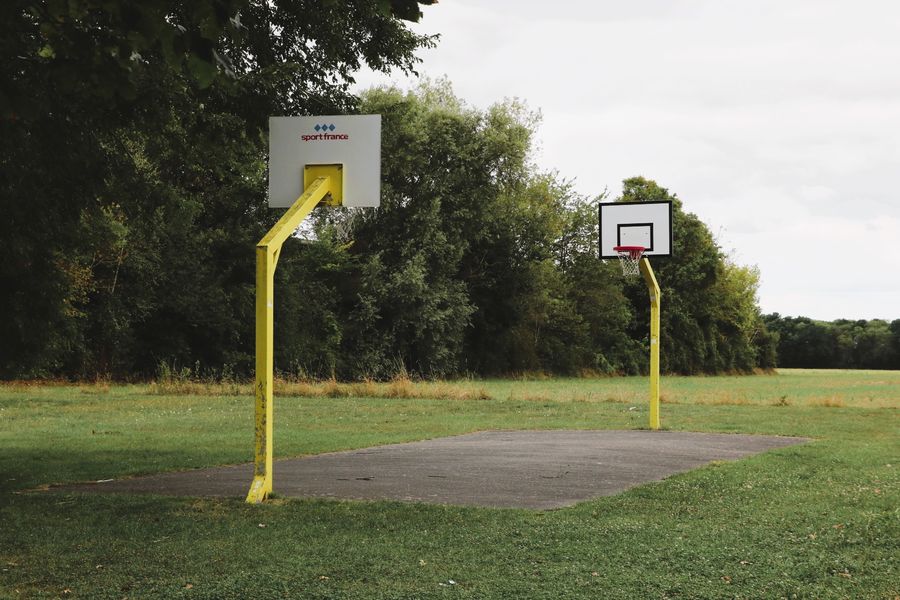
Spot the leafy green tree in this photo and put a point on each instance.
(710, 313)
(456, 271)
(873, 346)
(428, 246)
(596, 288)
(100, 49)
(766, 342)
(736, 316)
(132, 157)
(805, 343)
(685, 318)
(895, 343)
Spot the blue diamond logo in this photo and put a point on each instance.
(318, 127)
(331, 127)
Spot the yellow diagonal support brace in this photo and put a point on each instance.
(653, 288)
(267, 252)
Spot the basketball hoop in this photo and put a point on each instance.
(630, 258)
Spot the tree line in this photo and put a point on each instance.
(477, 262)
(840, 344)
(134, 192)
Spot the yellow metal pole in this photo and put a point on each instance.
(653, 288)
(267, 252)
(265, 287)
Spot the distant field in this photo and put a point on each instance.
(814, 521)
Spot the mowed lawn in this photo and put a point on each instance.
(819, 520)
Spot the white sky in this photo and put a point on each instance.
(777, 123)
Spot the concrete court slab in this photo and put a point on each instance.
(514, 469)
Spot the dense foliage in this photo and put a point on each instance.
(132, 172)
(132, 184)
(840, 344)
(477, 262)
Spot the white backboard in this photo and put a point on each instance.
(351, 140)
(647, 224)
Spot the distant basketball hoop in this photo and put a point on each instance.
(633, 232)
(630, 259)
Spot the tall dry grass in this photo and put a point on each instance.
(399, 387)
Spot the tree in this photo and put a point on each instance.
(710, 312)
(596, 288)
(874, 349)
(452, 232)
(132, 157)
(456, 271)
(101, 48)
(737, 316)
(804, 343)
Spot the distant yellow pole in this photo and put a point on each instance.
(267, 252)
(653, 288)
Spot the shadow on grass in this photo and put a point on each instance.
(28, 469)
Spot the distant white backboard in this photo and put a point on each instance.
(647, 224)
(351, 140)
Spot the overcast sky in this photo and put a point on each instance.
(777, 123)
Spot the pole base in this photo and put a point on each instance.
(259, 490)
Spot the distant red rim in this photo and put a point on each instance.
(629, 248)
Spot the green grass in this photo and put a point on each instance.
(821, 520)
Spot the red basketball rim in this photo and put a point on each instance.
(633, 251)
